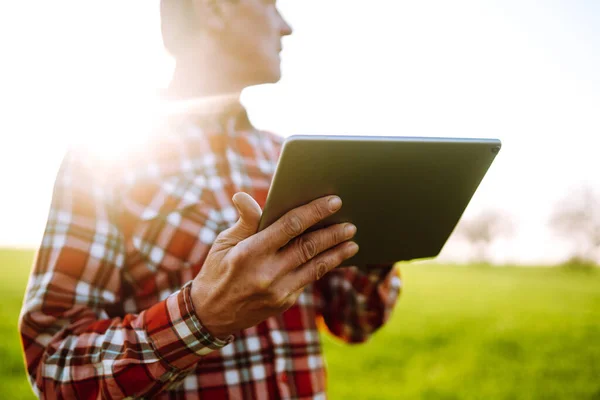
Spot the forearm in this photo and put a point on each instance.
(138, 355)
(355, 303)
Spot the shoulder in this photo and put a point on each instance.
(106, 165)
(168, 147)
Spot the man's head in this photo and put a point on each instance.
(239, 40)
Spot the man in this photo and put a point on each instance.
(151, 279)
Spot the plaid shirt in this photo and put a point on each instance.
(108, 311)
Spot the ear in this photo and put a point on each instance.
(208, 14)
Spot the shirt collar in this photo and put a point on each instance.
(221, 111)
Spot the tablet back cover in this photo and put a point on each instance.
(405, 195)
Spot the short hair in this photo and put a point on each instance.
(175, 24)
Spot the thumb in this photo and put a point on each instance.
(250, 214)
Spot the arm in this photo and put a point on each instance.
(72, 348)
(355, 303)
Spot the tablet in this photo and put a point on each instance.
(404, 194)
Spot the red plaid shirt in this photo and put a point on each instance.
(108, 310)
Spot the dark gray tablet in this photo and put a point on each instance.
(404, 194)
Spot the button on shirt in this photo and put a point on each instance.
(108, 311)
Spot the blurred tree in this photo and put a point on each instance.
(481, 230)
(577, 219)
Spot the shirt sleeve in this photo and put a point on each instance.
(72, 348)
(355, 302)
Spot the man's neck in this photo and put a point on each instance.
(193, 82)
(201, 91)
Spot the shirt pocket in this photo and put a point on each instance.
(172, 223)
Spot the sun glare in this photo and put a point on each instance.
(115, 121)
(118, 129)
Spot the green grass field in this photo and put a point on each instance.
(457, 333)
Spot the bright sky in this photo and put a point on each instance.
(523, 71)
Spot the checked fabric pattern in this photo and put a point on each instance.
(108, 313)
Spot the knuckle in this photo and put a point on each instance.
(292, 226)
(337, 235)
(262, 284)
(307, 248)
(321, 268)
(278, 298)
(319, 210)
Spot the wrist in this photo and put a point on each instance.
(203, 312)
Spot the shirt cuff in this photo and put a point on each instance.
(178, 337)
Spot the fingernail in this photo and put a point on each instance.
(352, 248)
(349, 230)
(335, 203)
